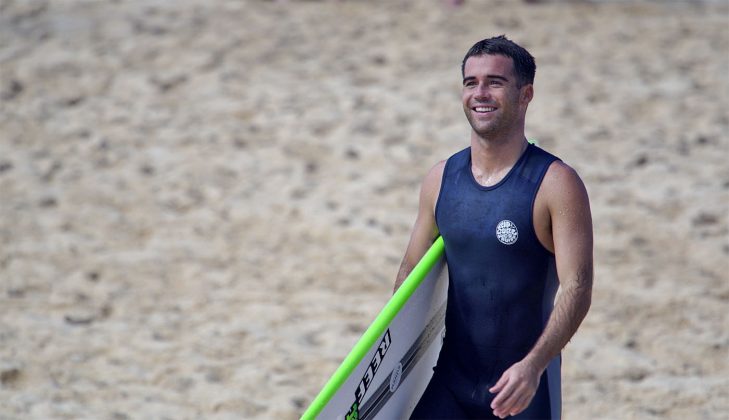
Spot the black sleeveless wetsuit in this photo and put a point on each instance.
(501, 291)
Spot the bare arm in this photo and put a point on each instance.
(571, 223)
(572, 234)
(425, 230)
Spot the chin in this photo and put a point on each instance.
(485, 131)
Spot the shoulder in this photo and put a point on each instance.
(563, 186)
(432, 180)
(560, 172)
(436, 171)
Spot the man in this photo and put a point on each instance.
(516, 225)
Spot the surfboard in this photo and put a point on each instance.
(386, 373)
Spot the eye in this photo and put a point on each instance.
(495, 83)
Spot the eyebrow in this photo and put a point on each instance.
(488, 76)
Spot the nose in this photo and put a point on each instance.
(482, 93)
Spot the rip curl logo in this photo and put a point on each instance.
(506, 232)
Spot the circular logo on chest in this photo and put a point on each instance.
(506, 232)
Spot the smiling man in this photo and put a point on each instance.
(516, 225)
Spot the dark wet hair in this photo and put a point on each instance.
(524, 66)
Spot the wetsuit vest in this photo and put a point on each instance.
(502, 280)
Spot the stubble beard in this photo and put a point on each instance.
(500, 125)
(490, 129)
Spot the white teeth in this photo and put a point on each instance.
(484, 109)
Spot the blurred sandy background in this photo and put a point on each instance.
(204, 204)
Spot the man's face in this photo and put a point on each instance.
(492, 101)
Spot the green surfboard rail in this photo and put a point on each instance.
(376, 329)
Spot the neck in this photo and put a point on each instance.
(491, 159)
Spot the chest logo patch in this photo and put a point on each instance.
(506, 232)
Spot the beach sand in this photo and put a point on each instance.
(204, 204)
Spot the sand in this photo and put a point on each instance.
(203, 204)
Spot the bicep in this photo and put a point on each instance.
(571, 221)
(425, 229)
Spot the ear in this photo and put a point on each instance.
(527, 94)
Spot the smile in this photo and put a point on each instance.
(484, 109)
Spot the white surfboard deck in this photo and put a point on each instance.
(388, 381)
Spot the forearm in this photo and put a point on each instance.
(570, 309)
(421, 239)
(402, 274)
